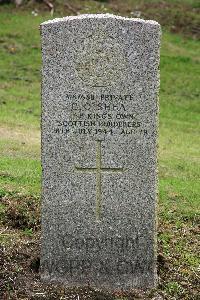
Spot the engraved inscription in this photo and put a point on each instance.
(104, 114)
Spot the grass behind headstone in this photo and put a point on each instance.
(178, 143)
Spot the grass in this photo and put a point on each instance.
(20, 103)
(179, 144)
(179, 124)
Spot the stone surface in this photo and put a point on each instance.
(99, 151)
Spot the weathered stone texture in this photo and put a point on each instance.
(99, 151)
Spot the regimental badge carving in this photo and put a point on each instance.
(100, 61)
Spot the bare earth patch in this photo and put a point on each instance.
(17, 134)
(20, 261)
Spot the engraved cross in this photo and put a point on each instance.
(98, 170)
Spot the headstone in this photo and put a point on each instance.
(99, 151)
